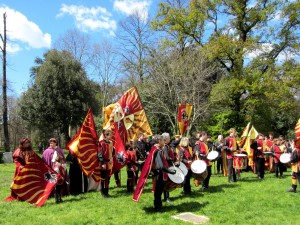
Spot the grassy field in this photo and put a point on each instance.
(248, 201)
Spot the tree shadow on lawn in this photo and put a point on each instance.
(191, 206)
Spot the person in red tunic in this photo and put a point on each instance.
(156, 163)
(231, 148)
(131, 166)
(258, 146)
(21, 157)
(105, 157)
(186, 157)
(201, 150)
(277, 153)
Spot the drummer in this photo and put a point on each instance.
(231, 148)
(185, 156)
(201, 150)
(170, 157)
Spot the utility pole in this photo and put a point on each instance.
(4, 87)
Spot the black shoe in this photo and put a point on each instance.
(159, 210)
(291, 190)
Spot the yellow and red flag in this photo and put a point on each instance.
(129, 115)
(244, 135)
(297, 133)
(35, 182)
(184, 113)
(84, 146)
(250, 138)
(126, 119)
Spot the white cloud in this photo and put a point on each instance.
(21, 31)
(89, 19)
(129, 7)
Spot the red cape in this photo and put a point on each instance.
(144, 175)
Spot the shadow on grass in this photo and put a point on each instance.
(179, 208)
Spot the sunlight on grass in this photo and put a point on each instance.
(248, 201)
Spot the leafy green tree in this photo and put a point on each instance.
(247, 39)
(60, 94)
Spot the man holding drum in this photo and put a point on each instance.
(201, 149)
(170, 157)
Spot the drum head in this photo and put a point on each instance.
(178, 177)
(198, 166)
(268, 153)
(183, 169)
(213, 155)
(285, 158)
(240, 155)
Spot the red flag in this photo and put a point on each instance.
(35, 182)
(120, 157)
(84, 146)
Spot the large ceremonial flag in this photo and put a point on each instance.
(84, 146)
(35, 182)
(250, 138)
(297, 133)
(244, 135)
(130, 116)
(184, 113)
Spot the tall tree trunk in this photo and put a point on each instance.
(4, 88)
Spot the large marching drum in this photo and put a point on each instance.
(198, 168)
(240, 161)
(212, 156)
(174, 180)
(285, 158)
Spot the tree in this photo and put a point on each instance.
(60, 94)
(134, 37)
(176, 80)
(4, 87)
(245, 38)
(105, 65)
(78, 44)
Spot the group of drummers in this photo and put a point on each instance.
(174, 163)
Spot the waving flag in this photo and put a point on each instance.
(184, 113)
(35, 182)
(84, 146)
(120, 157)
(130, 116)
(244, 135)
(297, 133)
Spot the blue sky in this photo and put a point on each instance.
(33, 26)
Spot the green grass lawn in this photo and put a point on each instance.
(248, 201)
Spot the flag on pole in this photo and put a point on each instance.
(184, 113)
(120, 156)
(244, 135)
(84, 145)
(250, 138)
(126, 119)
(297, 133)
(130, 116)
